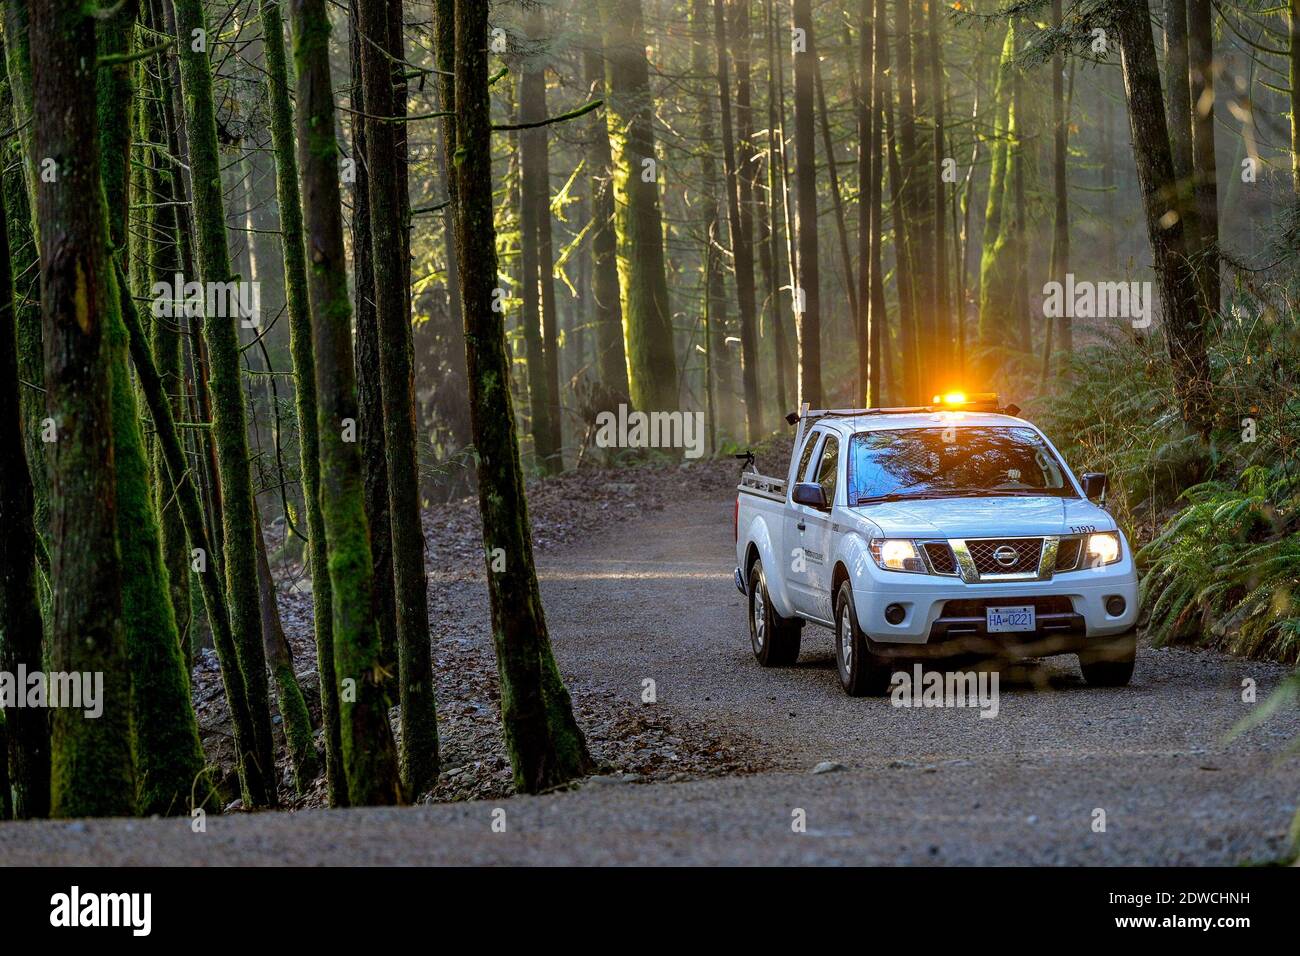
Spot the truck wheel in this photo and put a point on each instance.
(775, 639)
(1110, 663)
(863, 672)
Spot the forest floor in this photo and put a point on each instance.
(635, 569)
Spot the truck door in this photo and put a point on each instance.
(808, 537)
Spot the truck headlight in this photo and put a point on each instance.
(1103, 549)
(896, 554)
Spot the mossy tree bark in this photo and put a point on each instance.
(183, 489)
(545, 743)
(419, 741)
(158, 262)
(647, 322)
(18, 187)
(740, 230)
(999, 253)
(721, 386)
(228, 419)
(169, 759)
(92, 766)
(536, 256)
(304, 378)
(370, 759)
(607, 310)
(810, 349)
(26, 759)
(370, 398)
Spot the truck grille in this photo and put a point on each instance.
(1006, 555)
(941, 558)
(1067, 554)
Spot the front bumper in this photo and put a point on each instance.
(1070, 609)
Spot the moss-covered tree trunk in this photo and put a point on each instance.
(370, 759)
(720, 380)
(228, 419)
(304, 378)
(157, 261)
(294, 715)
(537, 252)
(997, 258)
(545, 744)
(808, 297)
(26, 758)
(419, 742)
(16, 183)
(370, 398)
(92, 766)
(169, 760)
(643, 281)
(607, 310)
(741, 229)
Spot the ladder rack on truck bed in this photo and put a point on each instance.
(762, 485)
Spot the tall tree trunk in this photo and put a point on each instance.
(370, 399)
(92, 765)
(18, 189)
(1295, 96)
(370, 761)
(908, 383)
(419, 738)
(741, 230)
(942, 360)
(229, 423)
(611, 359)
(719, 379)
(294, 256)
(868, 164)
(837, 200)
(534, 83)
(1200, 62)
(295, 717)
(878, 316)
(165, 733)
(534, 216)
(647, 314)
(810, 352)
(1178, 107)
(781, 335)
(545, 744)
(1184, 320)
(27, 755)
(1060, 184)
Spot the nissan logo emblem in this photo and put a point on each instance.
(1006, 555)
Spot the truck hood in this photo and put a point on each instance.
(983, 517)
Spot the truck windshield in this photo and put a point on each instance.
(974, 461)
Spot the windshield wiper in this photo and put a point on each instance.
(955, 493)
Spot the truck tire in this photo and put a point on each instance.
(863, 672)
(774, 639)
(1110, 663)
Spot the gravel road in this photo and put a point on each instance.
(653, 600)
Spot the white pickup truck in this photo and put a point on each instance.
(937, 530)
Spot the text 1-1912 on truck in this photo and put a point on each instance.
(955, 528)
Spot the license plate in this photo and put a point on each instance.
(1000, 620)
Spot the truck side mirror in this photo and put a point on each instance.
(809, 493)
(1094, 484)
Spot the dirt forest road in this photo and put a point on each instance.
(653, 599)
